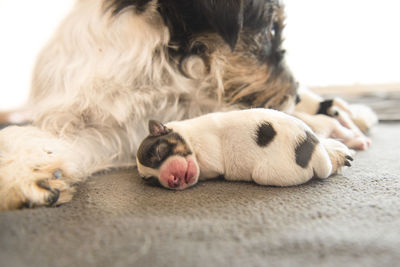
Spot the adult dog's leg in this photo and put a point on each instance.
(39, 168)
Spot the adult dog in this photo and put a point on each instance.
(114, 64)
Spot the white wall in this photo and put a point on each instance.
(333, 42)
(25, 25)
(328, 41)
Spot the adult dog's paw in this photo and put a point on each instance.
(34, 169)
(51, 191)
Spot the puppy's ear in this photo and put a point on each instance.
(225, 16)
(156, 128)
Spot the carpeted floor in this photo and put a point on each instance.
(115, 219)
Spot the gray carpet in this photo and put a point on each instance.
(117, 220)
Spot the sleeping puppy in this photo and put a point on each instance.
(260, 145)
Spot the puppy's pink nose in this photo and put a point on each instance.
(174, 181)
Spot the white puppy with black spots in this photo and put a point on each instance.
(261, 145)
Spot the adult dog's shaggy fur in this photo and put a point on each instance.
(114, 64)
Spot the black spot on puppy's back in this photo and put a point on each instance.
(265, 133)
(305, 149)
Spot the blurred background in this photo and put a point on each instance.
(329, 43)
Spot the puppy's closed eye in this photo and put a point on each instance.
(161, 151)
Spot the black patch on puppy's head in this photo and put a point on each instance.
(305, 149)
(159, 145)
(265, 133)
